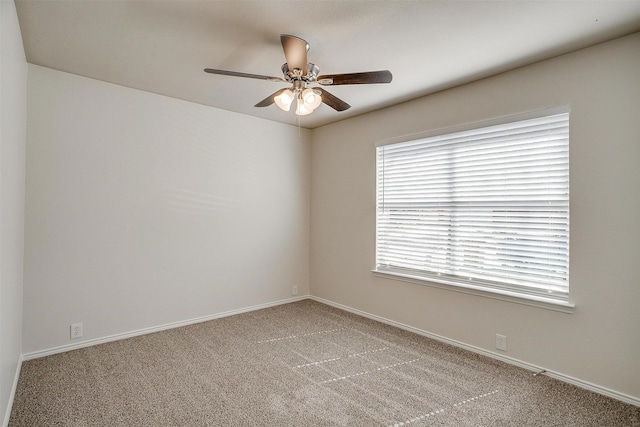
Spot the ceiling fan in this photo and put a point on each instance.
(301, 74)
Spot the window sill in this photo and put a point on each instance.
(540, 302)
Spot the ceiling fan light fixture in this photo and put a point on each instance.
(284, 100)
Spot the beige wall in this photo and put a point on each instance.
(13, 113)
(600, 342)
(144, 210)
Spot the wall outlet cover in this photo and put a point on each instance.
(76, 330)
(501, 342)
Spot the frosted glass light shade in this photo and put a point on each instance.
(284, 100)
(311, 99)
(302, 109)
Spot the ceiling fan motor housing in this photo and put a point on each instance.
(296, 73)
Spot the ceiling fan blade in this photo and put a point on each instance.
(237, 74)
(383, 76)
(332, 100)
(295, 50)
(269, 99)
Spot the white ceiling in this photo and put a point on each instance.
(163, 46)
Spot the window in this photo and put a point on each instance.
(486, 209)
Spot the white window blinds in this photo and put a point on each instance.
(486, 208)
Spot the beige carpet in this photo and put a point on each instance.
(300, 364)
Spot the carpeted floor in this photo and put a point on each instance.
(300, 364)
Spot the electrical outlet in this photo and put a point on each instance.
(294, 290)
(501, 342)
(76, 330)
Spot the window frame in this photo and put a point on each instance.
(450, 283)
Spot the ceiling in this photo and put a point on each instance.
(163, 46)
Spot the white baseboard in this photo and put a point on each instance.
(144, 331)
(12, 395)
(556, 375)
